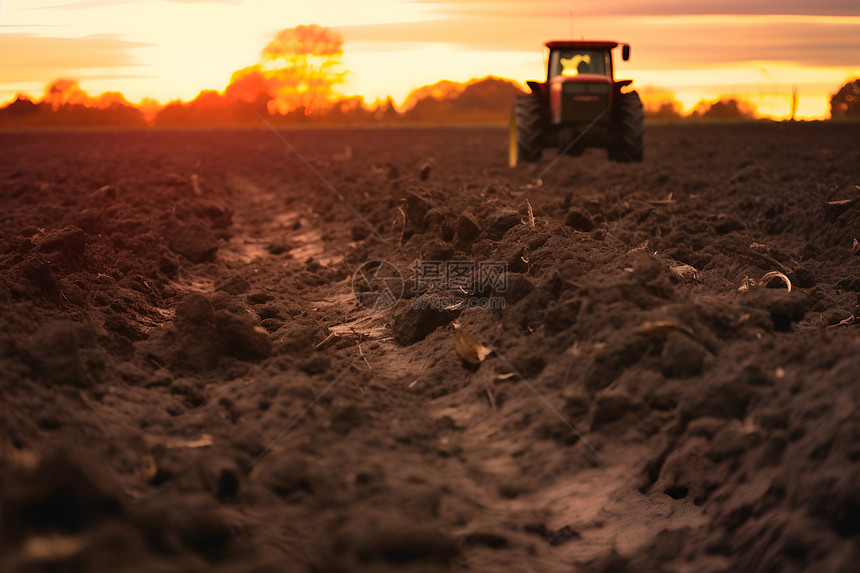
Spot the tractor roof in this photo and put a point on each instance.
(580, 44)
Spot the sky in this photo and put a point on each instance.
(172, 49)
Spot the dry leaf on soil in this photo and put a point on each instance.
(468, 347)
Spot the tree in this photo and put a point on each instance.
(724, 109)
(665, 110)
(846, 102)
(298, 70)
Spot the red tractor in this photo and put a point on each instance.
(580, 105)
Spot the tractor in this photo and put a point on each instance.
(580, 105)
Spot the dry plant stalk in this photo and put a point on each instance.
(403, 228)
(195, 183)
(843, 202)
(491, 397)
(424, 169)
(667, 201)
(346, 155)
(363, 357)
(204, 441)
(537, 183)
(757, 250)
(839, 206)
(748, 283)
(531, 214)
(846, 322)
(147, 469)
(767, 277)
(420, 372)
(325, 340)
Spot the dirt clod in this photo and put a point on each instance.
(579, 220)
(194, 241)
(55, 354)
(413, 321)
(682, 357)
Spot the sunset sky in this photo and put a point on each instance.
(169, 49)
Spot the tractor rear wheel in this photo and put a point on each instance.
(628, 130)
(526, 129)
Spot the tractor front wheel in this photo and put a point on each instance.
(526, 130)
(628, 130)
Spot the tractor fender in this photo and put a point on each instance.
(537, 88)
(622, 83)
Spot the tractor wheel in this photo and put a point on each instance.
(526, 129)
(628, 130)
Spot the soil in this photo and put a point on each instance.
(189, 383)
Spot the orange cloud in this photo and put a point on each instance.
(37, 58)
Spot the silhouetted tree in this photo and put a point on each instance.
(212, 108)
(24, 113)
(487, 99)
(21, 107)
(846, 102)
(666, 110)
(726, 109)
(385, 111)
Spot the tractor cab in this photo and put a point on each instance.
(569, 58)
(572, 62)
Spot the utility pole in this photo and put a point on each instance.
(793, 102)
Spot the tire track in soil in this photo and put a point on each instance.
(404, 415)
